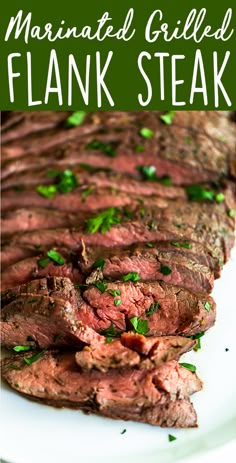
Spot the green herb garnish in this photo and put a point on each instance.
(103, 221)
(168, 117)
(207, 306)
(139, 148)
(146, 133)
(231, 213)
(100, 285)
(180, 245)
(152, 309)
(99, 264)
(13, 367)
(124, 431)
(198, 193)
(171, 438)
(23, 348)
(219, 197)
(110, 332)
(149, 173)
(114, 292)
(86, 193)
(48, 191)
(140, 326)
(43, 262)
(56, 257)
(77, 118)
(127, 213)
(151, 224)
(165, 270)
(142, 212)
(67, 181)
(178, 225)
(53, 173)
(105, 148)
(188, 140)
(34, 358)
(197, 337)
(132, 276)
(117, 302)
(149, 245)
(189, 366)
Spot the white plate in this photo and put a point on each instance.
(35, 433)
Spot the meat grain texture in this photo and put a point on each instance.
(111, 243)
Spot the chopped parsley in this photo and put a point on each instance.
(23, 348)
(198, 193)
(165, 270)
(99, 264)
(189, 366)
(197, 337)
(219, 197)
(168, 117)
(77, 118)
(13, 367)
(43, 262)
(149, 173)
(231, 213)
(117, 302)
(178, 225)
(110, 332)
(152, 309)
(171, 438)
(146, 133)
(109, 149)
(114, 292)
(48, 191)
(127, 213)
(53, 173)
(56, 257)
(139, 148)
(142, 212)
(151, 224)
(109, 339)
(149, 245)
(34, 358)
(86, 193)
(100, 285)
(132, 276)
(65, 182)
(180, 245)
(103, 221)
(188, 140)
(207, 306)
(124, 431)
(140, 326)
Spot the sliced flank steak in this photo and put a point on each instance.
(153, 308)
(190, 265)
(158, 397)
(182, 150)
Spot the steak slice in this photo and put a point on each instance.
(182, 150)
(141, 395)
(175, 310)
(38, 320)
(191, 266)
(167, 309)
(117, 353)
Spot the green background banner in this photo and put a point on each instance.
(137, 76)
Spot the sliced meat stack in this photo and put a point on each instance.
(113, 232)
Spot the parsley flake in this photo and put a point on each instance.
(114, 292)
(231, 213)
(149, 245)
(110, 332)
(207, 306)
(99, 264)
(124, 431)
(198, 193)
(168, 117)
(56, 257)
(140, 326)
(189, 366)
(86, 193)
(180, 245)
(117, 302)
(171, 438)
(165, 270)
(103, 221)
(132, 276)
(219, 197)
(34, 358)
(100, 285)
(23, 348)
(197, 337)
(146, 133)
(152, 309)
(48, 191)
(106, 148)
(77, 118)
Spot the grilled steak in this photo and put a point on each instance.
(191, 266)
(167, 309)
(154, 396)
(182, 150)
